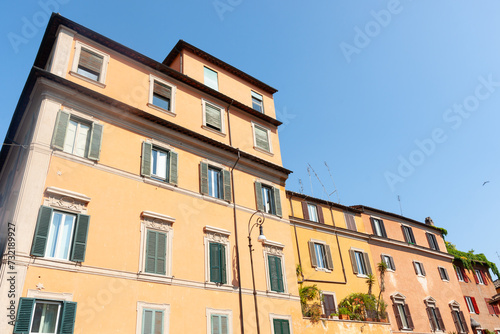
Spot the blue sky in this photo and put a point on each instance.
(399, 98)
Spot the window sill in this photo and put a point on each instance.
(362, 276)
(263, 151)
(56, 260)
(421, 276)
(79, 76)
(213, 285)
(74, 157)
(165, 111)
(217, 132)
(323, 269)
(157, 183)
(215, 200)
(154, 277)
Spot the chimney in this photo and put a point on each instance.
(428, 221)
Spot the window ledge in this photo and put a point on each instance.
(421, 276)
(79, 76)
(220, 133)
(362, 276)
(70, 156)
(154, 182)
(277, 294)
(216, 200)
(165, 111)
(154, 277)
(68, 193)
(263, 151)
(212, 285)
(323, 269)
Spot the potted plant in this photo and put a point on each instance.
(344, 313)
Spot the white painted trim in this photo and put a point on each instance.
(334, 301)
(165, 227)
(154, 215)
(222, 116)
(68, 297)
(68, 193)
(160, 307)
(173, 90)
(398, 298)
(228, 313)
(281, 255)
(273, 243)
(76, 59)
(268, 138)
(273, 316)
(216, 230)
(221, 236)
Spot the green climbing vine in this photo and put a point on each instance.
(468, 258)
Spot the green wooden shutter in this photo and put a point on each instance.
(95, 142)
(215, 319)
(24, 313)
(223, 273)
(275, 273)
(312, 252)
(329, 261)
(277, 201)
(161, 252)
(158, 322)
(367, 263)
(277, 326)
(60, 128)
(204, 178)
(226, 181)
(172, 173)
(215, 262)
(285, 327)
(41, 231)
(68, 318)
(258, 196)
(213, 116)
(223, 324)
(281, 326)
(261, 138)
(147, 322)
(151, 252)
(80, 238)
(146, 159)
(353, 262)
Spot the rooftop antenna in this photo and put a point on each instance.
(334, 186)
(301, 186)
(319, 180)
(400, 208)
(310, 181)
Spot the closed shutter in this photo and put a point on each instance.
(261, 138)
(329, 304)
(350, 222)
(41, 231)
(476, 309)
(217, 263)
(440, 319)
(312, 252)
(353, 262)
(95, 142)
(147, 322)
(408, 316)
(367, 264)
(431, 319)
(398, 316)
(277, 202)
(223, 324)
(321, 218)
(213, 117)
(496, 308)
(329, 261)
(258, 196)
(204, 178)
(146, 159)
(445, 272)
(305, 210)
(90, 61)
(80, 238)
(68, 318)
(173, 160)
(24, 314)
(226, 181)
(462, 318)
(158, 322)
(429, 240)
(456, 321)
(281, 326)
(275, 273)
(156, 248)
(60, 128)
(162, 90)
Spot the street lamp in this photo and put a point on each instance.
(261, 238)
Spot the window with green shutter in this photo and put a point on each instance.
(213, 116)
(156, 252)
(217, 255)
(159, 163)
(275, 273)
(152, 321)
(60, 235)
(44, 316)
(76, 136)
(268, 199)
(281, 326)
(219, 324)
(261, 137)
(215, 182)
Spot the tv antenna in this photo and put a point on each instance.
(301, 186)
(310, 181)
(319, 180)
(400, 208)
(334, 186)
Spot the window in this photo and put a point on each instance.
(210, 77)
(389, 262)
(219, 321)
(458, 318)
(261, 138)
(479, 277)
(492, 309)
(321, 256)
(419, 268)
(257, 102)
(215, 181)
(443, 273)
(432, 241)
(402, 312)
(77, 137)
(329, 303)
(360, 262)
(268, 199)
(281, 326)
(434, 315)
(274, 260)
(217, 255)
(44, 316)
(60, 235)
(460, 274)
(471, 304)
(312, 212)
(161, 95)
(156, 252)
(408, 234)
(350, 222)
(152, 318)
(89, 64)
(378, 227)
(213, 116)
(159, 163)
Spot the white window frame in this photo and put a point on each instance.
(325, 268)
(377, 223)
(399, 299)
(79, 122)
(204, 77)
(460, 275)
(273, 316)
(58, 243)
(160, 223)
(364, 271)
(388, 266)
(76, 59)
(334, 301)
(315, 210)
(220, 236)
(173, 89)
(275, 249)
(257, 96)
(446, 271)
(470, 305)
(228, 313)
(222, 117)
(431, 303)
(268, 139)
(409, 235)
(455, 307)
(477, 272)
(420, 266)
(159, 307)
(53, 302)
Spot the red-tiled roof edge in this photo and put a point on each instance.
(214, 60)
(322, 201)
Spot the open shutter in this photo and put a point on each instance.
(353, 262)
(412, 237)
(277, 201)
(24, 313)
(222, 254)
(423, 269)
(475, 277)
(305, 210)
(80, 238)
(391, 260)
(151, 252)
(68, 318)
(173, 160)
(382, 227)
(161, 251)
(90, 61)
(440, 319)
(431, 319)
(95, 142)
(329, 261)
(41, 231)
(462, 318)
(429, 240)
(466, 278)
(321, 218)
(226, 181)
(312, 252)
(204, 178)
(146, 159)
(60, 128)
(258, 196)
(476, 309)
(398, 316)
(367, 263)
(484, 276)
(408, 316)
